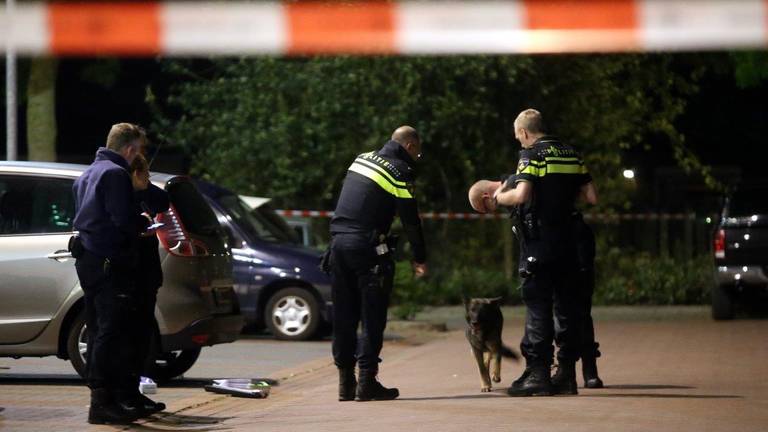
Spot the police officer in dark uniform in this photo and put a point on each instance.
(585, 283)
(105, 252)
(378, 185)
(550, 177)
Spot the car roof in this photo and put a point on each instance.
(67, 169)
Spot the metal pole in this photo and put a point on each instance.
(10, 82)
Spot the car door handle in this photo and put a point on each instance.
(60, 255)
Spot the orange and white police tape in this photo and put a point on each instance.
(472, 216)
(382, 27)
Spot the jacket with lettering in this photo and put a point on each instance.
(557, 173)
(379, 186)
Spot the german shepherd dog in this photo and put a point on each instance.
(484, 324)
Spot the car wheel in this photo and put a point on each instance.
(292, 314)
(165, 367)
(722, 303)
(169, 365)
(77, 343)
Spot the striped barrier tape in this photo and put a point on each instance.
(472, 216)
(382, 27)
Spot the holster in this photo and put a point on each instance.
(527, 230)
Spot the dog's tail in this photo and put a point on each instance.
(509, 353)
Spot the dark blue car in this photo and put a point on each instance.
(277, 280)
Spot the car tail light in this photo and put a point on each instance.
(720, 244)
(175, 238)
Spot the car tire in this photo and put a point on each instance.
(173, 364)
(76, 340)
(165, 367)
(722, 303)
(292, 314)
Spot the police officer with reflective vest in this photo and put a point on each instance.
(378, 185)
(550, 178)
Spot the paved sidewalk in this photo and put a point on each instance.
(662, 375)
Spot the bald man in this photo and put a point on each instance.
(378, 186)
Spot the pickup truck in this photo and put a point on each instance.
(741, 250)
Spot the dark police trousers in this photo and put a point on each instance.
(141, 337)
(109, 305)
(362, 285)
(142, 334)
(584, 282)
(550, 290)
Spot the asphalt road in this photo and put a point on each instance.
(665, 370)
(254, 355)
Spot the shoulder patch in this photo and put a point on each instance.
(524, 162)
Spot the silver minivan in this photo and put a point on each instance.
(41, 302)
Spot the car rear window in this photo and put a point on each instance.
(194, 212)
(256, 223)
(748, 202)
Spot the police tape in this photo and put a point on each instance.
(182, 28)
(476, 216)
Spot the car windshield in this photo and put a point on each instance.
(262, 222)
(748, 202)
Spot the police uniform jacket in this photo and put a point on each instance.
(557, 174)
(378, 186)
(104, 212)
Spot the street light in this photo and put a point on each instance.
(629, 174)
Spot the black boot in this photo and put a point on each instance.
(104, 409)
(347, 384)
(369, 388)
(147, 405)
(534, 382)
(522, 377)
(564, 380)
(589, 370)
(127, 400)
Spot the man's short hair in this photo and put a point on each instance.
(405, 134)
(124, 134)
(476, 192)
(531, 120)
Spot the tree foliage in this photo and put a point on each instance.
(289, 127)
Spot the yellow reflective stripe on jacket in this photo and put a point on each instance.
(380, 180)
(575, 167)
(382, 171)
(533, 170)
(550, 166)
(555, 168)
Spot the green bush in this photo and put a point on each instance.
(622, 279)
(446, 287)
(640, 278)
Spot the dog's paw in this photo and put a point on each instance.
(496, 378)
(485, 389)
